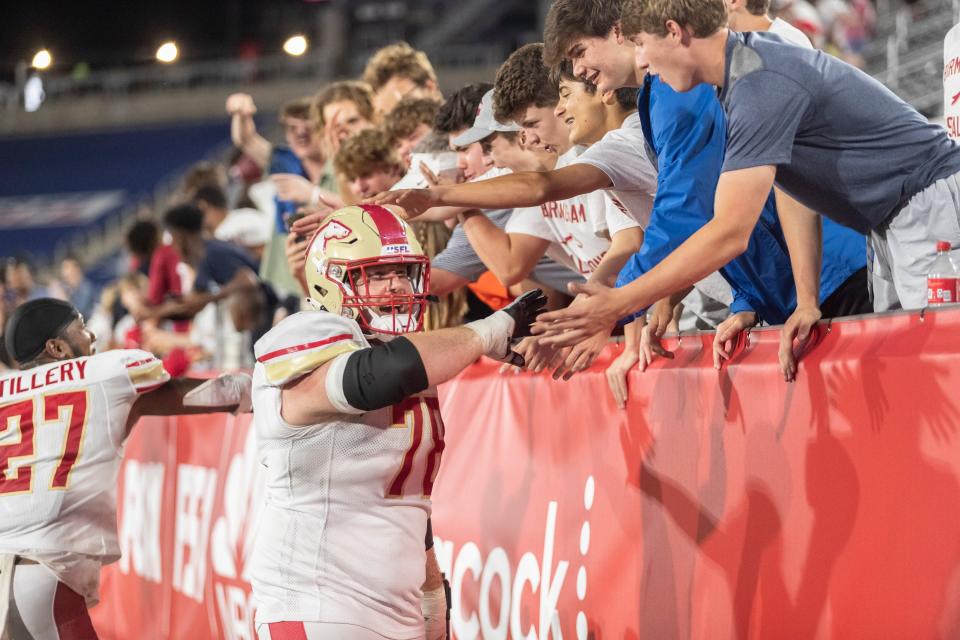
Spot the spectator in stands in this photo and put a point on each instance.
(300, 167)
(21, 285)
(409, 123)
(201, 174)
(368, 164)
(302, 154)
(246, 228)
(213, 262)
(75, 287)
(525, 93)
(752, 15)
(142, 239)
(398, 71)
(507, 151)
(337, 112)
(904, 192)
(342, 109)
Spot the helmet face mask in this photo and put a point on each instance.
(365, 263)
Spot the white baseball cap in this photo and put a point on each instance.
(484, 124)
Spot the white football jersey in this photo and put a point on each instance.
(62, 427)
(341, 534)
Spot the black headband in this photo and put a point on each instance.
(33, 323)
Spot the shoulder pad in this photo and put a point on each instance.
(144, 370)
(304, 341)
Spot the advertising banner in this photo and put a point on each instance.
(720, 504)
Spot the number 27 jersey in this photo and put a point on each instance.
(62, 427)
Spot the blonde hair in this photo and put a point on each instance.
(398, 59)
(359, 93)
(365, 152)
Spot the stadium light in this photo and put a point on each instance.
(167, 52)
(42, 60)
(295, 45)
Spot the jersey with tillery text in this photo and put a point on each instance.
(62, 427)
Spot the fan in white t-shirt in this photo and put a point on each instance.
(752, 15)
(578, 228)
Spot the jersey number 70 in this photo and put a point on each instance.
(18, 438)
(419, 415)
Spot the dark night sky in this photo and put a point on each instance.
(116, 33)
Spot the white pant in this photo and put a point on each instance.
(315, 631)
(39, 607)
(902, 249)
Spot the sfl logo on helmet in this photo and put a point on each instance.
(395, 249)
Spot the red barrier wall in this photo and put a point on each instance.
(719, 504)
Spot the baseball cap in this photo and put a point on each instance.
(484, 124)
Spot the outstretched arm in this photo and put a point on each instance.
(740, 198)
(243, 130)
(382, 375)
(524, 189)
(186, 396)
(510, 256)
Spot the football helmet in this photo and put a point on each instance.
(340, 255)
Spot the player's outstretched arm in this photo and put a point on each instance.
(385, 374)
(185, 396)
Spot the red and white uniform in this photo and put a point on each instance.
(62, 427)
(341, 536)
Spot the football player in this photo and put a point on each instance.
(64, 417)
(349, 429)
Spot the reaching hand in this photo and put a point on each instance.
(292, 188)
(727, 332)
(226, 390)
(500, 331)
(596, 308)
(414, 201)
(240, 104)
(582, 355)
(660, 317)
(296, 250)
(617, 374)
(536, 356)
(437, 181)
(797, 327)
(651, 347)
(524, 311)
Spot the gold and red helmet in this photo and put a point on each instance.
(349, 242)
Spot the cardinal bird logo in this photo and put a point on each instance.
(954, 100)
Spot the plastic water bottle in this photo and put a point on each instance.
(942, 282)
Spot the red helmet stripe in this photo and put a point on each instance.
(391, 230)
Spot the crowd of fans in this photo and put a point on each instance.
(223, 262)
(842, 27)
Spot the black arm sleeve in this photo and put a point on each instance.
(383, 375)
(428, 541)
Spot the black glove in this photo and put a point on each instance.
(524, 311)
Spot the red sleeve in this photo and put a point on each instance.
(164, 279)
